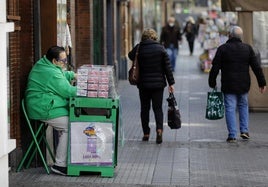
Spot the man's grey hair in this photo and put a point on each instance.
(236, 32)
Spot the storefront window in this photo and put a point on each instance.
(260, 35)
(136, 21)
(149, 14)
(158, 17)
(145, 14)
(63, 31)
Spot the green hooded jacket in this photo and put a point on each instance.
(48, 91)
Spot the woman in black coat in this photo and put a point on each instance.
(155, 72)
(190, 33)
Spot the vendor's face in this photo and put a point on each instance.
(61, 61)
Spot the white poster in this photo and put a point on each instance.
(92, 143)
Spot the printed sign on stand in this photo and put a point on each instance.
(92, 143)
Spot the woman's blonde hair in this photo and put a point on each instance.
(149, 34)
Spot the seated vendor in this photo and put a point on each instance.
(47, 95)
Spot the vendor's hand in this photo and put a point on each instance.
(263, 89)
(213, 87)
(171, 89)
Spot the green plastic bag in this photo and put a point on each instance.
(215, 105)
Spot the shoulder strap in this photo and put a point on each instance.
(137, 51)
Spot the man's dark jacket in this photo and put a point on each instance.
(154, 65)
(170, 35)
(233, 59)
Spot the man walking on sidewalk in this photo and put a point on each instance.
(233, 59)
(171, 37)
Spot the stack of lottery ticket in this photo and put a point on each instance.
(96, 81)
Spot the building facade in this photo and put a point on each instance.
(98, 32)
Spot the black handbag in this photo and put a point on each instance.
(174, 116)
(134, 72)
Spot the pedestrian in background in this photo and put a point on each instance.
(234, 59)
(201, 31)
(171, 37)
(155, 72)
(47, 94)
(190, 32)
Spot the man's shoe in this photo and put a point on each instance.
(59, 170)
(231, 140)
(245, 135)
(159, 137)
(145, 138)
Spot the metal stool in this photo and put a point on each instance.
(38, 136)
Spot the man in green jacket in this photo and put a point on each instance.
(47, 96)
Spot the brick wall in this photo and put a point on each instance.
(26, 62)
(83, 33)
(13, 63)
(20, 60)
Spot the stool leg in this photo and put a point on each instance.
(28, 151)
(34, 152)
(49, 149)
(41, 154)
(25, 156)
(47, 145)
(35, 149)
(38, 148)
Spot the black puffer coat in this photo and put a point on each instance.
(154, 65)
(234, 59)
